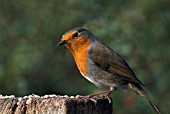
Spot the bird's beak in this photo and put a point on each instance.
(62, 42)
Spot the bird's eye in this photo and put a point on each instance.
(75, 35)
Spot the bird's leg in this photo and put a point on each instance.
(102, 94)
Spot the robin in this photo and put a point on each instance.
(101, 65)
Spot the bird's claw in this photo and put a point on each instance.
(93, 97)
(86, 98)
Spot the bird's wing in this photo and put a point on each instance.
(112, 62)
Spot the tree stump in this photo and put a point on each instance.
(55, 104)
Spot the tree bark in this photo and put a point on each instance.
(53, 104)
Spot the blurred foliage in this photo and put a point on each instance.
(30, 61)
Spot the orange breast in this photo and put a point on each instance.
(81, 61)
(80, 54)
(79, 49)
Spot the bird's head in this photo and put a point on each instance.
(76, 39)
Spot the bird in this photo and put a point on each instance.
(101, 65)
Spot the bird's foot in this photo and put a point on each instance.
(104, 94)
(93, 97)
(86, 98)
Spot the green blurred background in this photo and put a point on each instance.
(30, 61)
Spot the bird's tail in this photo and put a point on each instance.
(139, 90)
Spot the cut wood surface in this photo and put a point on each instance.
(55, 104)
